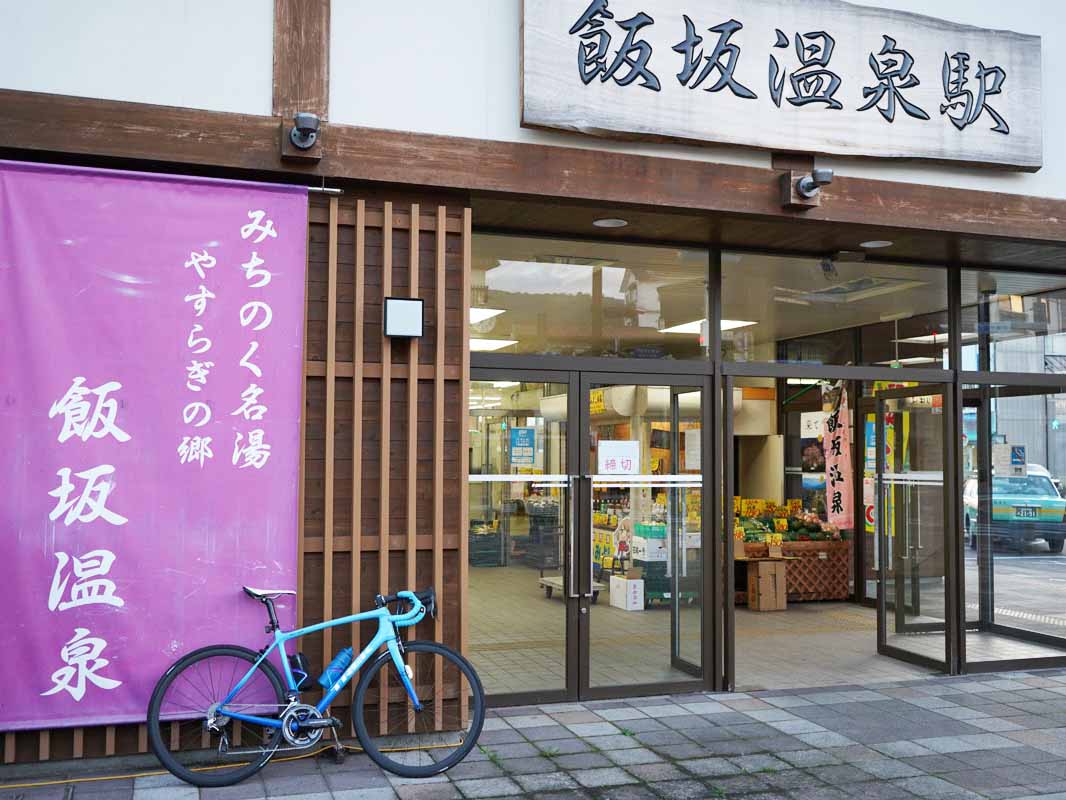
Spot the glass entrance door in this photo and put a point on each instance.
(911, 521)
(640, 534)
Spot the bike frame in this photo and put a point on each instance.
(386, 636)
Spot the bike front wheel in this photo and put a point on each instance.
(419, 743)
(194, 742)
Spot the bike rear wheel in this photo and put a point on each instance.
(418, 744)
(195, 744)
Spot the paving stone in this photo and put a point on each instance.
(516, 750)
(936, 763)
(810, 758)
(566, 794)
(710, 767)
(563, 747)
(509, 736)
(928, 786)
(759, 763)
(476, 769)
(827, 739)
(680, 790)
(523, 766)
(621, 714)
(376, 793)
(573, 717)
(886, 768)
(739, 784)
(245, 790)
(593, 729)
(582, 761)
(658, 738)
(633, 792)
(428, 791)
(617, 742)
(644, 725)
(791, 779)
(657, 772)
(546, 732)
(545, 782)
(878, 791)
(489, 787)
(345, 779)
(607, 776)
(639, 755)
(901, 749)
(839, 774)
(288, 785)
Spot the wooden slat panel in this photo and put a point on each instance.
(347, 369)
(412, 437)
(401, 220)
(79, 742)
(438, 459)
(9, 748)
(44, 745)
(357, 415)
(464, 437)
(386, 444)
(301, 498)
(109, 740)
(142, 737)
(331, 412)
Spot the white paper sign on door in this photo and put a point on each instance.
(620, 457)
(692, 448)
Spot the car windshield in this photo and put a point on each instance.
(1029, 486)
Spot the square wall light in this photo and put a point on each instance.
(403, 317)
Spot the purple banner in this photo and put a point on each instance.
(150, 385)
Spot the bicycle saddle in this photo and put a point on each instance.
(259, 594)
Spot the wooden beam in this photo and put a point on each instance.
(46, 125)
(301, 57)
(331, 420)
(385, 459)
(438, 457)
(357, 417)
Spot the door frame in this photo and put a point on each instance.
(947, 627)
(583, 499)
(577, 543)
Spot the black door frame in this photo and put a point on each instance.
(577, 544)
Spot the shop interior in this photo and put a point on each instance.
(812, 462)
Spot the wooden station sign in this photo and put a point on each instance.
(822, 76)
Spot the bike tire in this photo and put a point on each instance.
(210, 778)
(476, 716)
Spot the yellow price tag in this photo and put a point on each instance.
(773, 539)
(750, 508)
(780, 525)
(795, 506)
(738, 533)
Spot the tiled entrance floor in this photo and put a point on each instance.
(967, 738)
(519, 640)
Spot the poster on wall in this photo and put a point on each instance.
(836, 441)
(523, 447)
(812, 460)
(152, 368)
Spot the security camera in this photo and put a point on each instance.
(809, 185)
(304, 132)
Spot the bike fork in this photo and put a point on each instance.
(405, 674)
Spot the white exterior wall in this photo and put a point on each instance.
(453, 68)
(210, 54)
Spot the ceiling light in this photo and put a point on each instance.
(908, 362)
(488, 345)
(610, 222)
(874, 244)
(936, 338)
(803, 381)
(481, 314)
(696, 326)
(793, 300)
(504, 384)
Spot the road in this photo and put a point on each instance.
(1029, 589)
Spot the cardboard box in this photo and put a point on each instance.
(627, 594)
(766, 586)
(648, 549)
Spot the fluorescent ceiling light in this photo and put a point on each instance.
(697, 325)
(793, 300)
(481, 314)
(908, 362)
(504, 384)
(488, 345)
(936, 338)
(874, 244)
(610, 222)
(802, 381)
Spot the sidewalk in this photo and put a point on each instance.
(987, 736)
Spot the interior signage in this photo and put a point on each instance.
(821, 76)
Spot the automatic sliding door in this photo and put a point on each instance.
(643, 598)
(911, 521)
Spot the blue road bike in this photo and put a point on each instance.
(220, 713)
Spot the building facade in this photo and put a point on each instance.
(695, 349)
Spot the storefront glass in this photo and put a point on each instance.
(1013, 322)
(645, 448)
(834, 310)
(519, 513)
(1014, 521)
(577, 298)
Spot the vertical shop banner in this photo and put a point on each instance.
(151, 365)
(836, 440)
